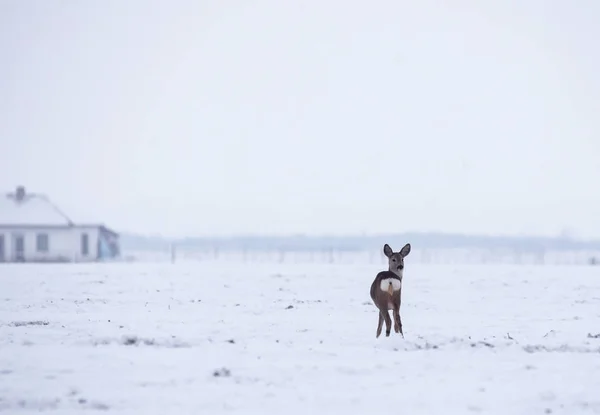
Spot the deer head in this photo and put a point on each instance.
(396, 259)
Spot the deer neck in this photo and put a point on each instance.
(397, 272)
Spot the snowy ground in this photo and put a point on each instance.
(266, 338)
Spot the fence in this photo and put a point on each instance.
(331, 256)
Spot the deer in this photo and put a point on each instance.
(386, 290)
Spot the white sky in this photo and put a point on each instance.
(221, 117)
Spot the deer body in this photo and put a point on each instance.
(386, 290)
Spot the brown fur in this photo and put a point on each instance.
(386, 300)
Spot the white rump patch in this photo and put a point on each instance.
(385, 284)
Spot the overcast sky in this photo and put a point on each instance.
(221, 117)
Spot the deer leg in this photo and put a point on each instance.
(380, 325)
(396, 314)
(388, 323)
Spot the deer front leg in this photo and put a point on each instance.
(380, 325)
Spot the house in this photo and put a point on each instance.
(33, 229)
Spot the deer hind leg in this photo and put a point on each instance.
(397, 321)
(380, 325)
(388, 323)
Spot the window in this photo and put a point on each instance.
(85, 244)
(42, 242)
(2, 244)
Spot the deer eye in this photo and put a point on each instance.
(394, 260)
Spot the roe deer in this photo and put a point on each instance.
(386, 290)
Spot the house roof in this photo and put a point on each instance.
(21, 209)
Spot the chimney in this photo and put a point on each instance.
(20, 193)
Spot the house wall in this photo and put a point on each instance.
(63, 244)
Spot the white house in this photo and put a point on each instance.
(33, 229)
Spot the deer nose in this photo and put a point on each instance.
(400, 266)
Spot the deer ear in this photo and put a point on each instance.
(387, 251)
(405, 250)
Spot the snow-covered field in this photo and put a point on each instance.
(268, 338)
